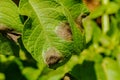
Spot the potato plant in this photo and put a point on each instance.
(59, 40)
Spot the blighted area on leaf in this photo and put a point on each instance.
(52, 56)
(64, 31)
(9, 32)
(4, 28)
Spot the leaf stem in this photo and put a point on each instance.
(105, 18)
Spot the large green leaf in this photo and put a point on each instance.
(9, 15)
(47, 34)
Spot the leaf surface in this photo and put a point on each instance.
(9, 15)
(46, 31)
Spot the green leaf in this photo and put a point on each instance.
(92, 30)
(46, 33)
(51, 74)
(97, 12)
(111, 69)
(96, 32)
(83, 70)
(7, 46)
(116, 54)
(99, 72)
(25, 8)
(9, 15)
(2, 76)
(88, 29)
(28, 71)
(112, 8)
(78, 36)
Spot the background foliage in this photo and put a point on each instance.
(25, 36)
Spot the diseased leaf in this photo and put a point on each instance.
(9, 15)
(59, 73)
(51, 34)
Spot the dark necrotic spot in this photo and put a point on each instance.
(53, 59)
(52, 56)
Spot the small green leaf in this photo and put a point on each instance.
(88, 30)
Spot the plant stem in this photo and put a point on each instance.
(105, 18)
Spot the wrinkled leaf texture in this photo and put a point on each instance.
(39, 33)
(9, 18)
(9, 15)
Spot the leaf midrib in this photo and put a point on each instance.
(43, 29)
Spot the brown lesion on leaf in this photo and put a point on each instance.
(4, 29)
(91, 4)
(52, 56)
(64, 31)
(13, 37)
(9, 32)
